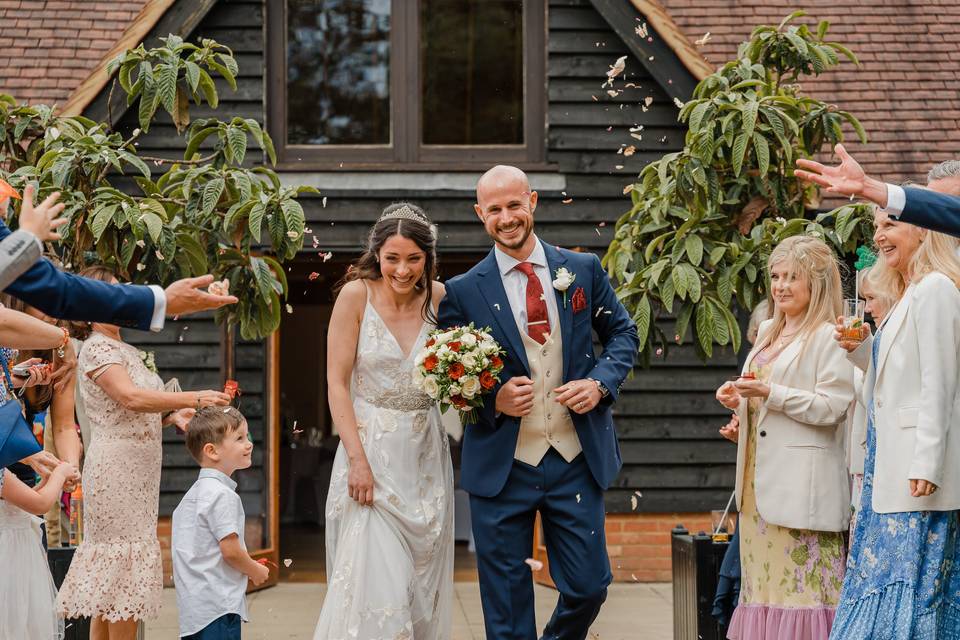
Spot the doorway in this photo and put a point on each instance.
(306, 440)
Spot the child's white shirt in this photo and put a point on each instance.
(207, 587)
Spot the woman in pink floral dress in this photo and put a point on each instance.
(116, 575)
(792, 488)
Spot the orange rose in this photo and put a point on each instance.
(430, 362)
(454, 346)
(455, 371)
(496, 362)
(431, 342)
(458, 401)
(487, 381)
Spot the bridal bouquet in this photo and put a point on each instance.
(457, 366)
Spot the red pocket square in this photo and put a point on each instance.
(579, 300)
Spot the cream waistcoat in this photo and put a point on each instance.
(548, 424)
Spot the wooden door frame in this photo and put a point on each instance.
(271, 437)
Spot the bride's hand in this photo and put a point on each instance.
(360, 482)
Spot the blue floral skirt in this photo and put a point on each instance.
(903, 572)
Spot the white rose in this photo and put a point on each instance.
(430, 386)
(417, 376)
(563, 279)
(445, 337)
(443, 352)
(488, 347)
(470, 386)
(469, 361)
(468, 340)
(454, 389)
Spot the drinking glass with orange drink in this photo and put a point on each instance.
(853, 319)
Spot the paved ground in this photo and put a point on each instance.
(289, 612)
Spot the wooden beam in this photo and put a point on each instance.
(157, 18)
(659, 18)
(656, 54)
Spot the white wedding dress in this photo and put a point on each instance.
(390, 565)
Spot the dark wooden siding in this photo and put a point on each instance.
(189, 349)
(667, 417)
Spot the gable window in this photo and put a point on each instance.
(383, 82)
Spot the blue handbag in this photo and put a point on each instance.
(16, 437)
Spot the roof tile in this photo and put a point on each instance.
(904, 92)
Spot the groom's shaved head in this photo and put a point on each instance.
(499, 177)
(505, 204)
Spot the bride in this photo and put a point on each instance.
(389, 513)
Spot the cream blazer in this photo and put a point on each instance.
(857, 427)
(916, 398)
(801, 472)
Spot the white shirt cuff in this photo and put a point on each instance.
(159, 308)
(896, 200)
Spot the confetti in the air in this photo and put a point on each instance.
(629, 151)
(313, 276)
(535, 565)
(642, 30)
(287, 562)
(703, 40)
(324, 202)
(289, 308)
(567, 201)
(578, 498)
(617, 67)
(678, 102)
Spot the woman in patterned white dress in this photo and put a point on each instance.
(389, 510)
(116, 575)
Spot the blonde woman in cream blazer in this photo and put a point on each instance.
(792, 488)
(903, 575)
(801, 470)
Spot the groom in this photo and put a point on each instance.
(544, 440)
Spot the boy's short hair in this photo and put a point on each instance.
(211, 425)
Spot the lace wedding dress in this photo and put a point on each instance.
(390, 565)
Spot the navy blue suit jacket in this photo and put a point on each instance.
(478, 296)
(69, 297)
(932, 210)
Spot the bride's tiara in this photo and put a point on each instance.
(404, 213)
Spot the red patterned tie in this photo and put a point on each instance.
(538, 325)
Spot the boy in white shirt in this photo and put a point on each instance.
(210, 560)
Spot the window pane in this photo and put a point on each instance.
(338, 72)
(472, 68)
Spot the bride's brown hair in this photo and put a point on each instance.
(407, 221)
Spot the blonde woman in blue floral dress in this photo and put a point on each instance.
(903, 574)
(792, 487)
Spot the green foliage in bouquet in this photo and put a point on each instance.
(705, 219)
(203, 214)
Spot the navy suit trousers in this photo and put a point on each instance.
(572, 512)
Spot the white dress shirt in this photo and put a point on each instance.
(896, 200)
(515, 284)
(207, 587)
(159, 308)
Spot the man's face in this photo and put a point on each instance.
(949, 186)
(506, 205)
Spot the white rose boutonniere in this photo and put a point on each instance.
(562, 280)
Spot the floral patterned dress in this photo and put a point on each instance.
(117, 571)
(903, 574)
(791, 578)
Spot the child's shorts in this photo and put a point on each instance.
(226, 627)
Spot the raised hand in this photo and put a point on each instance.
(847, 178)
(187, 296)
(41, 220)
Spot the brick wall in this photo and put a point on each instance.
(639, 543)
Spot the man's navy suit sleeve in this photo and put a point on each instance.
(617, 332)
(932, 210)
(66, 296)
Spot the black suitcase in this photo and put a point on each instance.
(59, 559)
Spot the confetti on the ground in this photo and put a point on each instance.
(648, 101)
(633, 503)
(637, 136)
(324, 201)
(613, 93)
(567, 201)
(287, 562)
(703, 40)
(618, 167)
(629, 151)
(535, 565)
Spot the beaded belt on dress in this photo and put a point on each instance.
(403, 399)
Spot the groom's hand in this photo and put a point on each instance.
(580, 396)
(515, 398)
